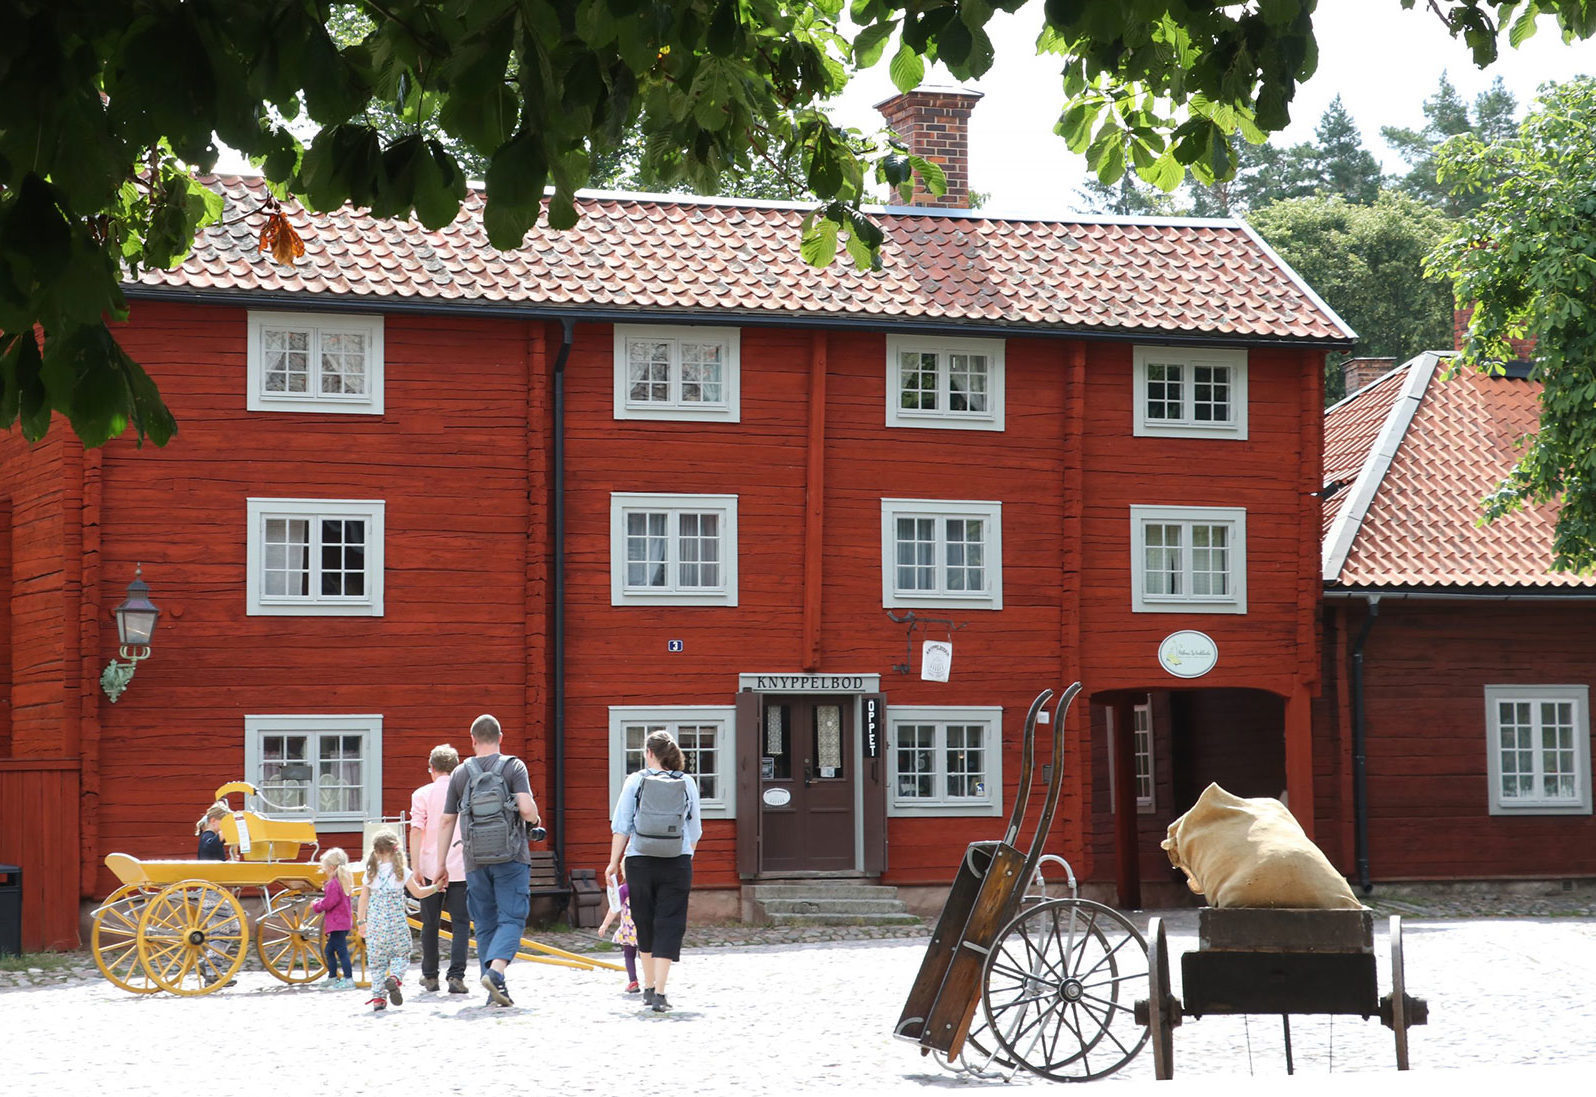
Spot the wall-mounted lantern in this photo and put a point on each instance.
(135, 625)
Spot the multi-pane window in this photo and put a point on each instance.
(673, 549)
(950, 383)
(1142, 751)
(1188, 559)
(328, 767)
(315, 556)
(703, 733)
(941, 552)
(1192, 392)
(676, 373)
(945, 761)
(1539, 749)
(315, 362)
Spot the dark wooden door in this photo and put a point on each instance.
(806, 784)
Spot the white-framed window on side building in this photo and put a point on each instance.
(942, 553)
(944, 760)
(704, 732)
(669, 372)
(328, 765)
(313, 361)
(315, 557)
(1191, 392)
(948, 383)
(1141, 753)
(673, 550)
(1538, 749)
(1188, 559)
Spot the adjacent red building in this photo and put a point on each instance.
(1458, 666)
(657, 471)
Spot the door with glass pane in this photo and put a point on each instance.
(806, 784)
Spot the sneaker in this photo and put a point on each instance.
(660, 1004)
(378, 1004)
(457, 985)
(493, 983)
(429, 982)
(632, 987)
(395, 994)
(648, 996)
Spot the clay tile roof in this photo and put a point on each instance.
(1424, 450)
(653, 254)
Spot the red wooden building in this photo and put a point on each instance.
(1458, 666)
(656, 471)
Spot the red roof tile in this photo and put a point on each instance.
(1419, 530)
(649, 254)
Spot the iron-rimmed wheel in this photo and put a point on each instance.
(192, 938)
(1399, 1013)
(1059, 987)
(288, 939)
(1163, 1011)
(115, 938)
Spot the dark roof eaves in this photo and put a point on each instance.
(1503, 592)
(368, 303)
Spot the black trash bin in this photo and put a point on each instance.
(10, 910)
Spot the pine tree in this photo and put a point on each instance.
(1345, 167)
(1446, 116)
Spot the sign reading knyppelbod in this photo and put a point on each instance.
(872, 726)
(809, 683)
(1188, 654)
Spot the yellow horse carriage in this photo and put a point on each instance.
(180, 926)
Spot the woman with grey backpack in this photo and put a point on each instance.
(657, 825)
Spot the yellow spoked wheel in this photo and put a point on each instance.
(288, 939)
(192, 938)
(115, 939)
(357, 960)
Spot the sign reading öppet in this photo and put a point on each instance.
(1188, 654)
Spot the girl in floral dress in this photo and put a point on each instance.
(625, 935)
(382, 917)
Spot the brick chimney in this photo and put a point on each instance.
(1523, 349)
(935, 123)
(1359, 373)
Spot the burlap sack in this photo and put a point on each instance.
(1252, 853)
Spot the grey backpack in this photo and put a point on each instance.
(490, 822)
(661, 817)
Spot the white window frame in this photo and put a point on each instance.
(1234, 602)
(1579, 695)
(317, 324)
(1141, 712)
(314, 605)
(672, 717)
(990, 716)
(991, 511)
(1186, 426)
(727, 410)
(623, 503)
(368, 725)
(942, 418)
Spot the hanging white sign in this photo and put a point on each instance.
(1188, 654)
(936, 659)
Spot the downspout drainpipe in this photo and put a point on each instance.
(557, 641)
(1360, 768)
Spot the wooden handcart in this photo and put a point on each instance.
(1053, 981)
(180, 925)
(1277, 961)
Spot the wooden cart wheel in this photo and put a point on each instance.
(1059, 989)
(115, 938)
(357, 959)
(288, 939)
(1399, 1011)
(1163, 1011)
(192, 938)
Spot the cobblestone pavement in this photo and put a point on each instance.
(1509, 1005)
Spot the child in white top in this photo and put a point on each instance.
(382, 917)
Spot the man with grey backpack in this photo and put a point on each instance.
(657, 825)
(491, 797)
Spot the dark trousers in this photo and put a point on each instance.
(658, 889)
(432, 906)
(336, 953)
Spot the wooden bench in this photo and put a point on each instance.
(551, 893)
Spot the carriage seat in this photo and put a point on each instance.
(259, 838)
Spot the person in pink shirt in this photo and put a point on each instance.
(426, 813)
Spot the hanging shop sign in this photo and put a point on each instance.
(1188, 654)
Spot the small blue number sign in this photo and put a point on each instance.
(674, 645)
